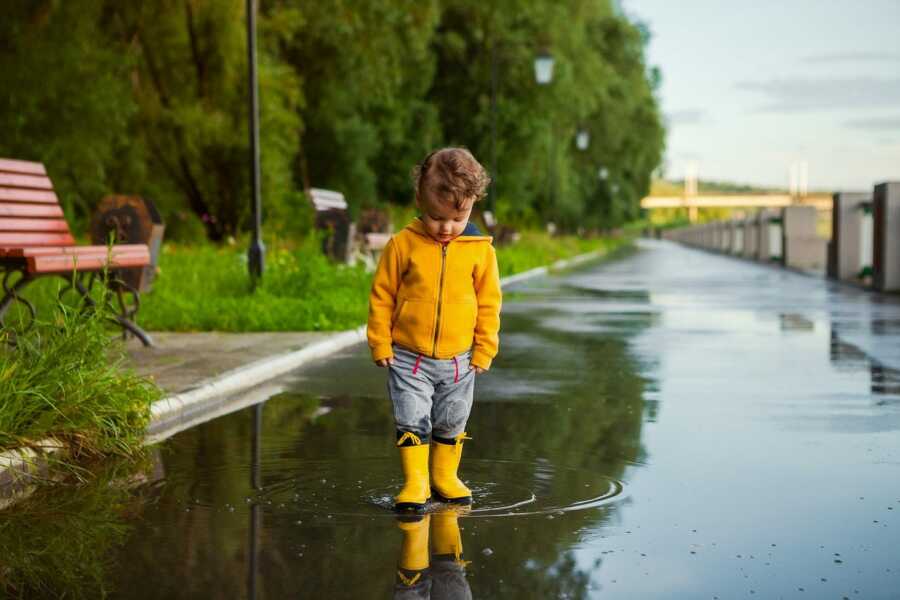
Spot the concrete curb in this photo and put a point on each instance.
(172, 411)
(217, 396)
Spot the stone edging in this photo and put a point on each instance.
(214, 397)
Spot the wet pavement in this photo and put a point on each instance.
(670, 424)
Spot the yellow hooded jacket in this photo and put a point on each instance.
(434, 299)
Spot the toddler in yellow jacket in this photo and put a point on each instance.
(434, 320)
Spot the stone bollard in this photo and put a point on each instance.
(751, 239)
(850, 250)
(768, 225)
(803, 248)
(725, 239)
(737, 238)
(886, 259)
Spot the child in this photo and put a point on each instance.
(434, 318)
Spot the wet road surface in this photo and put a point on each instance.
(670, 424)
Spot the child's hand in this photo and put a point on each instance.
(478, 370)
(384, 362)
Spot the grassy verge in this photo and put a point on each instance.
(65, 380)
(205, 287)
(538, 249)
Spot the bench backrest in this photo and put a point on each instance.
(327, 199)
(30, 214)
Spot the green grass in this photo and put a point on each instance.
(539, 249)
(66, 380)
(205, 288)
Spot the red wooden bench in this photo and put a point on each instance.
(35, 241)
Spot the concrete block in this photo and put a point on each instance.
(769, 244)
(716, 236)
(804, 253)
(737, 238)
(851, 235)
(886, 258)
(803, 248)
(751, 237)
(725, 245)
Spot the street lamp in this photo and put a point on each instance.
(582, 139)
(256, 253)
(543, 68)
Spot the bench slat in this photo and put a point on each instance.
(75, 250)
(30, 210)
(20, 240)
(34, 196)
(35, 182)
(22, 166)
(64, 263)
(48, 225)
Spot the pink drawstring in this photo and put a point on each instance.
(418, 360)
(455, 371)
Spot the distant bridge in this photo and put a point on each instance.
(822, 202)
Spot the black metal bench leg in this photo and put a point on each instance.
(123, 321)
(12, 295)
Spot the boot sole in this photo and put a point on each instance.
(413, 507)
(440, 498)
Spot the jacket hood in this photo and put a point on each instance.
(470, 234)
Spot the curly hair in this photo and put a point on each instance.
(451, 174)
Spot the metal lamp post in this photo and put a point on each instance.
(543, 74)
(256, 254)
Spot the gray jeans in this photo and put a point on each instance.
(431, 395)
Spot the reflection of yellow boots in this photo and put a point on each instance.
(413, 562)
(446, 542)
(445, 457)
(448, 569)
(414, 460)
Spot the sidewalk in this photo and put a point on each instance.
(181, 362)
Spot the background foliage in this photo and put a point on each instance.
(149, 97)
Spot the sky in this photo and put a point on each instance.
(751, 87)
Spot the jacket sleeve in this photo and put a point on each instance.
(382, 300)
(487, 324)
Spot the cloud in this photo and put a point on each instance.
(798, 94)
(875, 123)
(687, 116)
(852, 57)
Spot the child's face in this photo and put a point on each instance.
(443, 220)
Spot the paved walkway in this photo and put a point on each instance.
(182, 361)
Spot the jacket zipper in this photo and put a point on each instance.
(437, 322)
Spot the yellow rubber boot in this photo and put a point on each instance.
(414, 560)
(414, 461)
(446, 542)
(445, 457)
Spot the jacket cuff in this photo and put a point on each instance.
(381, 352)
(481, 359)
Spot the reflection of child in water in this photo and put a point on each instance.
(434, 317)
(442, 576)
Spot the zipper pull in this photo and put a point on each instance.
(444, 249)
